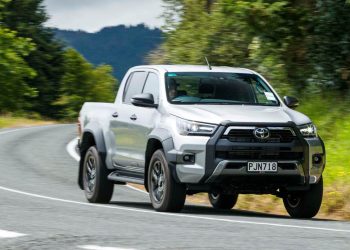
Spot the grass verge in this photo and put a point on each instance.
(334, 207)
(8, 121)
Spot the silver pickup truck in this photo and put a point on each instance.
(180, 130)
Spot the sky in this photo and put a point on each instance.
(92, 15)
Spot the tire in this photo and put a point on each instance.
(222, 201)
(97, 188)
(305, 204)
(165, 193)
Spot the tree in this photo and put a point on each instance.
(82, 82)
(295, 43)
(331, 44)
(233, 33)
(14, 70)
(27, 18)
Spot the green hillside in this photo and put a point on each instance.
(120, 46)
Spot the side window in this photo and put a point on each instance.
(137, 80)
(152, 86)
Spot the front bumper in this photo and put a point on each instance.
(302, 160)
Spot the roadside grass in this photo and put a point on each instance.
(9, 121)
(331, 114)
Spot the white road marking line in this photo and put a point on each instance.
(92, 247)
(71, 149)
(74, 154)
(174, 214)
(10, 234)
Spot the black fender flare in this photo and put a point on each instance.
(165, 139)
(92, 135)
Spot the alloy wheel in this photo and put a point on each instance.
(90, 176)
(158, 181)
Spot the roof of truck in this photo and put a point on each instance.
(195, 68)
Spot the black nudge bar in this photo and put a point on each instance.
(218, 143)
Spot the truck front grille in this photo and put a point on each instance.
(240, 143)
(259, 155)
(277, 135)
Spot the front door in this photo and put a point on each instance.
(142, 122)
(133, 125)
(125, 140)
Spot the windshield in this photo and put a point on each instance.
(218, 88)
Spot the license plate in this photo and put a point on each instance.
(262, 167)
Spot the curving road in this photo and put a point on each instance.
(43, 208)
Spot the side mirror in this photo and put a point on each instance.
(291, 102)
(144, 100)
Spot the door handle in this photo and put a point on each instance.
(133, 117)
(115, 114)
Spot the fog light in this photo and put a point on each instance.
(189, 158)
(313, 179)
(316, 159)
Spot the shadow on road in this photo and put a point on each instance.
(202, 210)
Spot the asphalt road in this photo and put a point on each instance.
(42, 208)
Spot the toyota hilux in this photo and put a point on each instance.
(181, 129)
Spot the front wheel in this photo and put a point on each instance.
(165, 193)
(305, 204)
(97, 188)
(222, 201)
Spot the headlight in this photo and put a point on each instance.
(185, 127)
(308, 130)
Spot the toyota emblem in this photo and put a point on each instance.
(261, 133)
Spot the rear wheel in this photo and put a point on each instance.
(97, 188)
(166, 195)
(305, 204)
(222, 201)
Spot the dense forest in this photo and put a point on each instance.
(120, 46)
(300, 45)
(38, 74)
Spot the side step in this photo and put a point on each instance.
(122, 179)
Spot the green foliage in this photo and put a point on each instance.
(331, 44)
(37, 75)
(297, 45)
(82, 82)
(171, 16)
(14, 70)
(27, 18)
(331, 113)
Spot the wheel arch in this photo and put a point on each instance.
(92, 136)
(159, 139)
